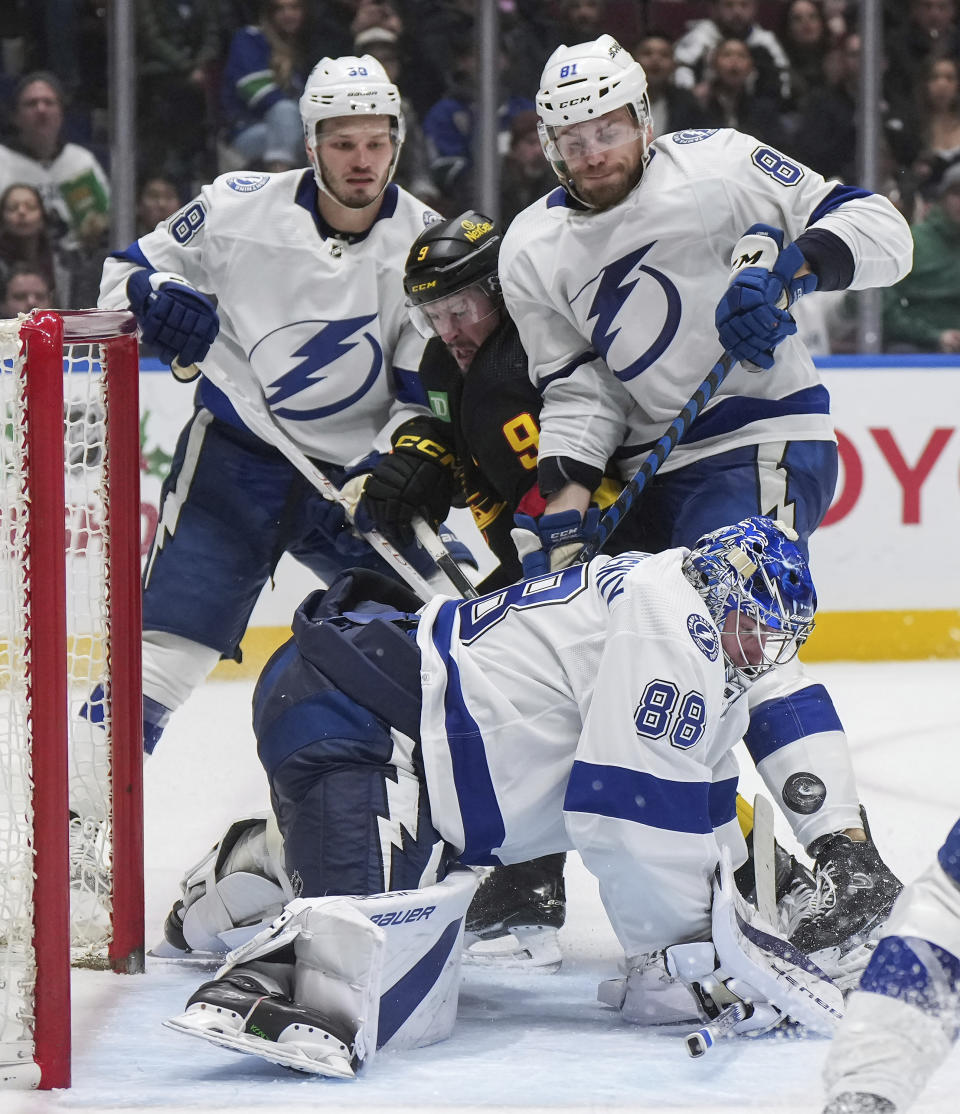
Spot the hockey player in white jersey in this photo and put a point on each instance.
(905, 1017)
(286, 290)
(620, 282)
(594, 709)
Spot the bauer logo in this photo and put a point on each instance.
(247, 183)
(704, 636)
(694, 135)
(402, 916)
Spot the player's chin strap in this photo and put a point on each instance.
(250, 404)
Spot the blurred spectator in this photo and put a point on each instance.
(807, 42)
(733, 19)
(826, 131)
(673, 108)
(24, 235)
(449, 126)
(413, 168)
(24, 288)
(71, 181)
(178, 41)
(729, 100)
(936, 127)
(157, 199)
(262, 82)
(525, 175)
(929, 32)
(922, 312)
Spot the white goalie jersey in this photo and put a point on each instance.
(606, 727)
(318, 321)
(616, 308)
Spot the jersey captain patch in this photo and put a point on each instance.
(704, 636)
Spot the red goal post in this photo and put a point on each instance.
(71, 800)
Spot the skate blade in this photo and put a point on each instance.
(524, 947)
(224, 1029)
(163, 949)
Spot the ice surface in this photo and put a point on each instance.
(524, 1043)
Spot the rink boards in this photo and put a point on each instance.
(885, 561)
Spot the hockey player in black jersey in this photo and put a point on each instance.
(478, 450)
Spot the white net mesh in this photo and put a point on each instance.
(87, 541)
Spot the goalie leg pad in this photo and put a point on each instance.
(764, 966)
(235, 888)
(417, 990)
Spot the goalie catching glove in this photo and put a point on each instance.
(418, 477)
(753, 315)
(174, 316)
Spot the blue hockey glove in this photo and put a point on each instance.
(753, 315)
(180, 321)
(458, 550)
(329, 520)
(552, 541)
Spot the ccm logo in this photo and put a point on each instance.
(576, 100)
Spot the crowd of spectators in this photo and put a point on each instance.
(218, 83)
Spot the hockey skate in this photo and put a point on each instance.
(514, 918)
(248, 1013)
(90, 888)
(858, 1102)
(837, 920)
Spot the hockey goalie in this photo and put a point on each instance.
(591, 709)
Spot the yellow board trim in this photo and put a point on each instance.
(839, 636)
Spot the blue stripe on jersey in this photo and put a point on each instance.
(777, 723)
(836, 197)
(675, 806)
(133, 254)
(949, 854)
(610, 577)
(409, 387)
(567, 370)
(734, 413)
(483, 827)
(399, 1001)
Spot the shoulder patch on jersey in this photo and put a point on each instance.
(693, 135)
(247, 183)
(704, 635)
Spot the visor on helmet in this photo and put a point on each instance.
(441, 316)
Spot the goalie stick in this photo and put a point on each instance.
(252, 408)
(764, 860)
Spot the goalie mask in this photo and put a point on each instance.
(757, 587)
(581, 88)
(345, 87)
(451, 274)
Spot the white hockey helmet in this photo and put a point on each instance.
(583, 82)
(349, 86)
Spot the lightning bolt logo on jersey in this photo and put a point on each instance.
(315, 383)
(628, 290)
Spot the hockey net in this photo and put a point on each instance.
(71, 834)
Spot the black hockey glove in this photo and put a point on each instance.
(417, 477)
(855, 891)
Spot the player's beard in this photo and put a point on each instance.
(606, 194)
(354, 197)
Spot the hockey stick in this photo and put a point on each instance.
(701, 1041)
(613, 515)
(443, 559)
(252, 408)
